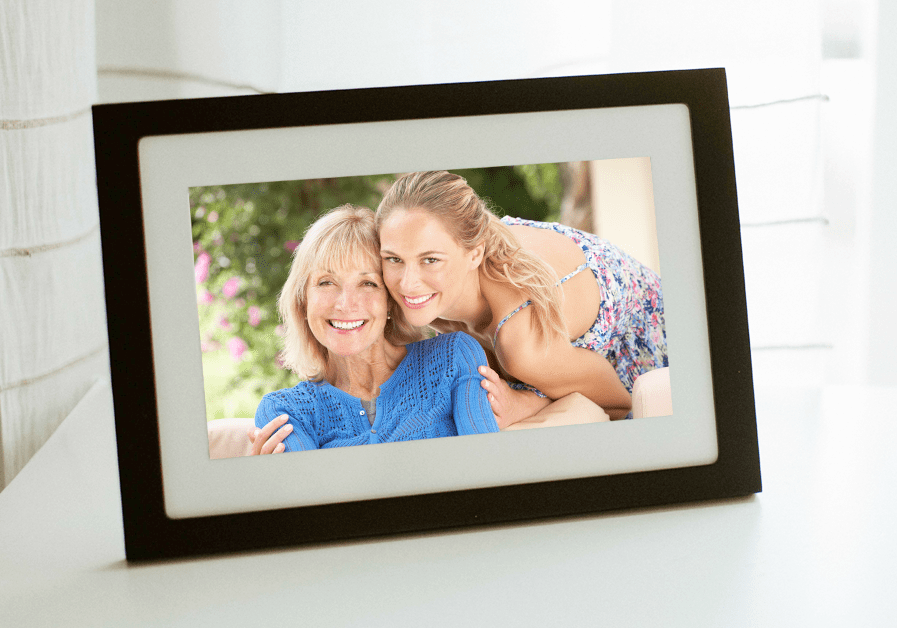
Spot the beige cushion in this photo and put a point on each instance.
(574, 409)
(228, 438)
(651, 394)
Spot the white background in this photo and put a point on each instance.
(812, 93)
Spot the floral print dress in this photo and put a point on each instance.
(629, 330)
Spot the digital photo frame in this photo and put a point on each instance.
(177, 502)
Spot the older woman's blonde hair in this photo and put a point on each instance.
(335, 240)
(471, 222)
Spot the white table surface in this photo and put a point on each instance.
(817, 548)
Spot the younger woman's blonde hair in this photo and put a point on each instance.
(335, 240)
(470, 221)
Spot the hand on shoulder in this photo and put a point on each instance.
(269, 439)
(509, 406)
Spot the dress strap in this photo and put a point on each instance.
(578, 270)
(505, 320)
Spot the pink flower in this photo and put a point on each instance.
(280, 330)
(201, 269)
(255, 315)
(231, 286)
(290, 245)
(213, 217)
(206, 297)
(237, 347)
(224, 323)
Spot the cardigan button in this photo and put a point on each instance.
(361, 413)
(373, 431)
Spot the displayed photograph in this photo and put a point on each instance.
(407, 306)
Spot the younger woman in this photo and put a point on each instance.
(557, 310)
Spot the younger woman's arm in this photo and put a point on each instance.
(557, 368)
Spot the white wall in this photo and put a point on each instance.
(192, 48)
(187, 49)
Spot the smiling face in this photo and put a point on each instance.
(424, 268)
(347, 308)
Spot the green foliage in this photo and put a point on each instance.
(530, 191)
(243, 239)
(543, 183)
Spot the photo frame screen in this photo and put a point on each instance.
(244, 236)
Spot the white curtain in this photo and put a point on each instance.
(52, 315)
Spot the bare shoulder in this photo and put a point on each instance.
(559, 251)
(582, 297)
(520, 349)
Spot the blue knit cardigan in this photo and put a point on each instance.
(435, 391)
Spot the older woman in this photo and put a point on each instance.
(368, 377)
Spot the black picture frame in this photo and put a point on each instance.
(151, 534)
